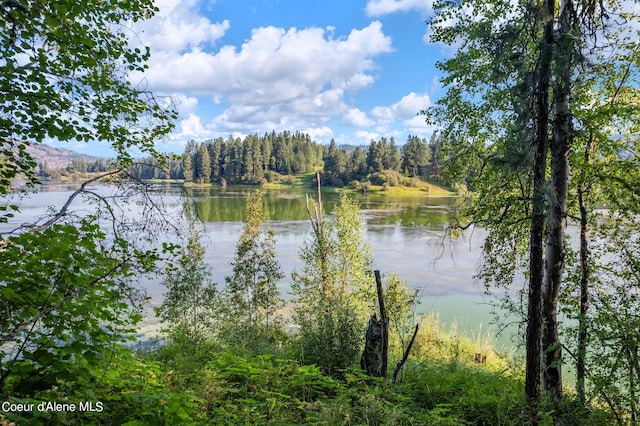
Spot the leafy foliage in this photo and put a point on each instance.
(122, 390)
(335, 292)
(251, 296)
(442, 386)
(64, 77)
(66, 296)
(399, 304)
(191, 300)
(331, 292)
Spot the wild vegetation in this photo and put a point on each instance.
(549, 135)
(540, 127)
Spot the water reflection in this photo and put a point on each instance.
(227, 205)
(406, 235)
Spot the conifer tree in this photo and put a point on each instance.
(203, 164)
(187, 161)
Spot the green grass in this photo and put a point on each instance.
(200, 382)
(292, 181)
(411, 186)
(421, 189)
(440, 385)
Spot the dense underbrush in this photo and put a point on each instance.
(185, 381)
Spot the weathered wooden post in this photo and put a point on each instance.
(376, 349)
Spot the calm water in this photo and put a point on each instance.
(405, 233)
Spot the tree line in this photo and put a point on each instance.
(256, 160)
(79, 165)
(382, 161)
(253, 160)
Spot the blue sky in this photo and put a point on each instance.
(352, 70)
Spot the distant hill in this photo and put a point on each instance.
(350, 148)
(57, 158)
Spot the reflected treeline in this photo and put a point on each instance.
(227, 205)
(412, 215)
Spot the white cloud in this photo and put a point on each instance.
(328, 99)
(256, 119)
(323, 133)
(185, 104)
(277, 79)
(405, 108)
(386, 7)
(358, 81)
(356, 118)
(178, 27)
(366, 137)
(192, 126)
(418, 126)
(275, 65)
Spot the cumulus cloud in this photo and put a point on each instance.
(192, 126)
(278, 77)
(178, 27)
(366, 137)
(257, 119)
(418, 125)
(404, 109)
(358, 81)
(386, 7)
(323, 133)
(356, 118)
(275, 65)
(185, 104)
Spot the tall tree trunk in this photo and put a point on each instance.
(557, 218)
(534, 308)
(554, 267)
(536, 266)
(581, 352)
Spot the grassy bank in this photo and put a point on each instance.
(189, 381)
(408, 187)
(442, 384)
(417, 188)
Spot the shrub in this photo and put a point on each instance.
(289, 180)
(122, 390)
(272, 176)
(332, 340)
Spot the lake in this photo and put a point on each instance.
(406, 234)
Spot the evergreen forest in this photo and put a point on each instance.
(256, 160)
